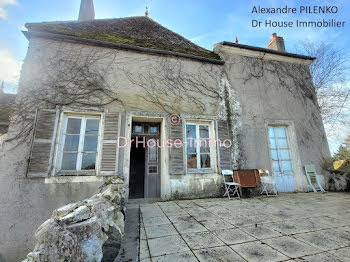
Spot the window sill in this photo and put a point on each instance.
(198, 171)
(73, 179)
(77, 173)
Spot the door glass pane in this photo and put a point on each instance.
(191, 161)
(274, 154)
(203, 131)
(92, 126)
(280, 132)
(286, 166)
(276, 167)
(88, 161)
(282, 143)
(205, 161)
(284, 154)
(90, 143)
(73, 126)
(69, 161)
(153, 129)
(273, 143)
(153, 154)
(137, 128)
(190, 131)
(152, 169)
(71, 143)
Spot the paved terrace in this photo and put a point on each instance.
(291, 227)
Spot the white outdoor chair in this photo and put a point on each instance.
(231, 187)
(268, 183)
(312, 178)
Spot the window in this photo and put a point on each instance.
(145, 128)
(280, 151)
(80, 142)
(198, 145)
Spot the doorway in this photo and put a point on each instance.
(137, 171)
(281, 159)
(144, 179)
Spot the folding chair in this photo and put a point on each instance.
(312, 178)
(231, 186)
(268, 183)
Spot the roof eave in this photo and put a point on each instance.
(40, 34)
(265, 50)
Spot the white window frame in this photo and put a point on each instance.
(279, 160)
(293, 146)
(84, 118)
(198, 153)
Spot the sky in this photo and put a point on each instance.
(204, 22)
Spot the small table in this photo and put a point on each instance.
(247, 178)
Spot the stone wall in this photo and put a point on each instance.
(89, 230)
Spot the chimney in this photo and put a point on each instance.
(87, 11)
(276, 43)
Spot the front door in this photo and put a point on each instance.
(152, 186)
(281, 159)
(144, 179)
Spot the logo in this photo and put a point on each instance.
(174, 120)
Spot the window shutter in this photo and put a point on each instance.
(42, 149)
(224, 154)
(111, 132)
(176, 154)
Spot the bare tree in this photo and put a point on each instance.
(167, 82)
(330, 74)
(80, 77)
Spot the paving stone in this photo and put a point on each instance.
(173, 211)
(316, 235)
(233, 236)
(160, 231)
(261, 231)
(240, 220)
(215, 224)
(167, 203)
(343, 253)
(296, 226)
(144, 252)
(142, 233)
(257, 251)
(216, 254)
(146, 260)
(152, 208)
(155, 221)
(150, 214)
(167, 245)
(183, 218)
(178, 257)
(189, 227)
(200, 240)
(203, 216)
(324, 239)
(330, 221)
(129, 249)
(291, 247)
(322, 257)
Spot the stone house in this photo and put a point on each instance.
(89, 87)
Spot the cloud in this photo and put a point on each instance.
(3, 5)
(10, 67)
